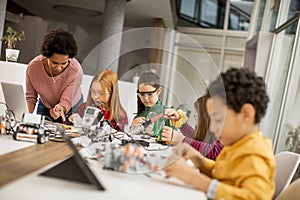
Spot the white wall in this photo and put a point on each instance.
(35, 29)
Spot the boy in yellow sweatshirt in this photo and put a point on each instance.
(245, 168)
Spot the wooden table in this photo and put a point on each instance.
(24, 161)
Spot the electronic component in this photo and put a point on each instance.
(31, 129)
(92, 116)
(129, 158)
(141, 128)
(5, 125)
(140, 142)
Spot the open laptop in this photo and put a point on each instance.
(14, 97)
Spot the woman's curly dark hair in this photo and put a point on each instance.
(238, 86)
(59, 41)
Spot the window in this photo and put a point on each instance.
(212, 13)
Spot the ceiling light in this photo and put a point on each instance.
(77, 11)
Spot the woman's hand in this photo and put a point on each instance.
(170, 135)
(58, 111)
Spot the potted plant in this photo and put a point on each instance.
(10, 38)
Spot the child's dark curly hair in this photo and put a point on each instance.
(59, 41)
(238, 86)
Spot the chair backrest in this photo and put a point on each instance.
(286, 166)
(292, 192)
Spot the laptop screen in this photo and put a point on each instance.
(14, 97)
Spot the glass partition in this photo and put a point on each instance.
(274, 8)
(288, 129)
(261, 14)
(282, 122)
(293, 8)
(279, 67)
(278, 74)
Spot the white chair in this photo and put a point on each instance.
(292, 192)
(286, 165)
